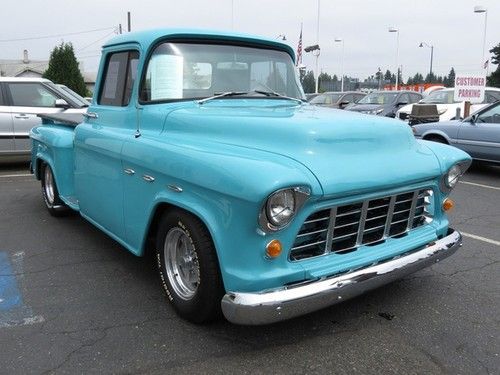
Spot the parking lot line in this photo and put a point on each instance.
(484, 239)
(481, 185)
(15, 175)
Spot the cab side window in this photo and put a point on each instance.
(119, 77)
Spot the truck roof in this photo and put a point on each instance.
(148, 37)
(23, 79)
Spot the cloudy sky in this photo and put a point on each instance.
(450, 25)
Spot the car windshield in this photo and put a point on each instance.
(439, 97)
(179, 71)
(379, 98)
(77, 98)
(326, 99)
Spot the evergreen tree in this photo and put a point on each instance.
(63, 68)
(450, 80)
(308, 82)
(494, 78)
(388, 76)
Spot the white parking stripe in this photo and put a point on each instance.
(15, 175)
(484, 239)
(480, 185)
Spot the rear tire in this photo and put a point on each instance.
(188, 267)
(53, 202)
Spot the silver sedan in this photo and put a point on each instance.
(478, 134)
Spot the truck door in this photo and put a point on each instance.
(99, 141)
(6, 127)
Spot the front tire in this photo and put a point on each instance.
(188, 267)
(53, 202)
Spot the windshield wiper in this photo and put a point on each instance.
(238, 93)
(222, 95)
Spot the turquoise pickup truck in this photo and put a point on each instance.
(200, 146)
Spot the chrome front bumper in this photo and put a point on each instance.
(284, 303)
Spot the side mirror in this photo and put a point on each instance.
(473, 119)
(401, 104)
(61, 103)
(343, 103)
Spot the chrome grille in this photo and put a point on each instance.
(342, 229)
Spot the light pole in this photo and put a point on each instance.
(281, 37)
(340, 40)
(232, 14)
(394, 30)
(481, 9)
(422, 44)
(317, 51)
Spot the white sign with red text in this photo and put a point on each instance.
(469, 88)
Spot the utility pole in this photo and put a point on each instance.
(128, 21)
(120, 28)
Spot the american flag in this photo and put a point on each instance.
(299, 49)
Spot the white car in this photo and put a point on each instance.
(447, 106)
(21, 100)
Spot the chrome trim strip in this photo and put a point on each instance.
(331, 228)
(283, 303)
(412, 210)
(362, 220)
(390, 212)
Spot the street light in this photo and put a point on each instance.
(422, 44)
(281, 37)
(481, 9)
(395, 30)
(340, 40)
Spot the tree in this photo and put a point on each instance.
(63, 68)
(450, 80)
(308, 82)
(388, 76)
(494, 78)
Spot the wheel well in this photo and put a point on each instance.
(438, 137)
(155, 221)
(38, 168)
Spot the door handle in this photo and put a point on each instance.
(90, 115)
(22, 116)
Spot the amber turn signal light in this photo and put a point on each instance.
(448, 204)
(273, 249)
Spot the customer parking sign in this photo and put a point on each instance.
(470, 88)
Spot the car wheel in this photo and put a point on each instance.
(53, 202)
(188, 267)
(437, 139)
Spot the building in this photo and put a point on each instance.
(35, 68)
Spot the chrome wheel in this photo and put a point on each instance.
(181, 263)
(49, 186)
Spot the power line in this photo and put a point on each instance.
(56, 35)
(98, 40)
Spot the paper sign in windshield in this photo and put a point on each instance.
(166, 77)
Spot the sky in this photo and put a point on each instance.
(451, 26)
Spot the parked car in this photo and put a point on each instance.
(200, 147)
(311, 96)
(385, 103)
(446, 105)
(78, 98)
(21, 100)
(478, 134)
(337, 99)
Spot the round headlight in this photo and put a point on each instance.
(280, 207)
(452, 176)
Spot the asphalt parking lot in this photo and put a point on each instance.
(80, 303)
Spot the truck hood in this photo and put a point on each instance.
(347, 152)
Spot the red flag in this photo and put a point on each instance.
(299, 49)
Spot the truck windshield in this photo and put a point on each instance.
(180, 71)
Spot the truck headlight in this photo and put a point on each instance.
(450, 178)
(281, 207)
